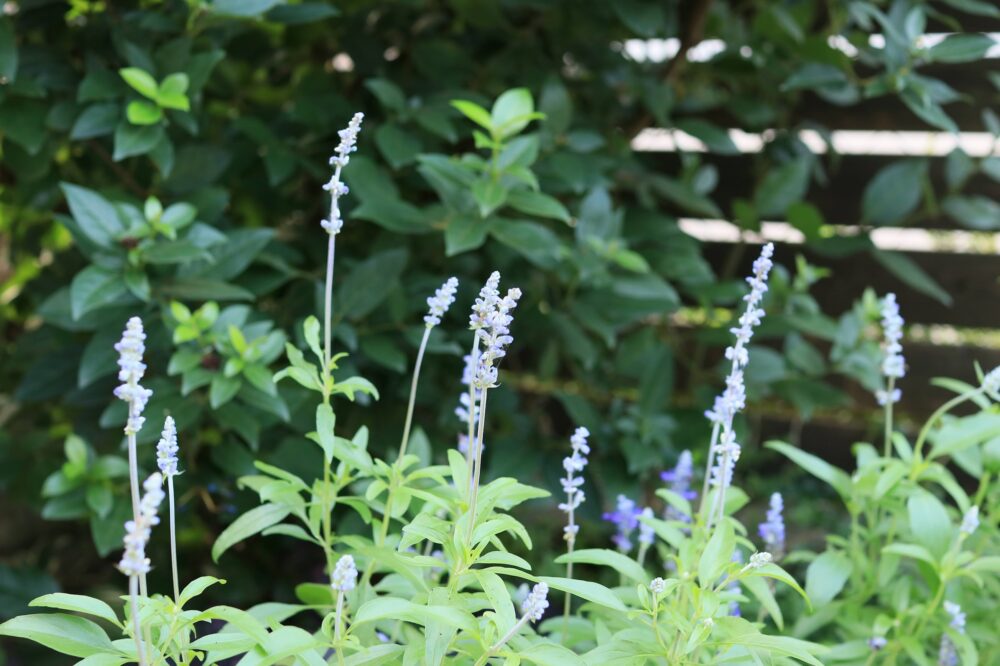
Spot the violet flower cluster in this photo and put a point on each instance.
(340, 158)
(772, 530)
(131, 369)
(679, 480)
(733, 398)
(494, 334)
(893, 364)
(625, 517)
(947, 654)
(134, 561)
(573, 465)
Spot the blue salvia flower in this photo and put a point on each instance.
(991, 383)
(573, 464)
(166, 449)
(679, 479)
(625, 518)
(646, 533)
(131, 369)
(471, 362)
(336, 187)
(486, 302)
(970, 521)
(876, 643)
(134, 561)
(947, 655)
(495, 337)
(535, 604)
(733, 398)
(893, 364)
(772, 530)
(443, 297)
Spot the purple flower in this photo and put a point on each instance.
(626, 519)
(679, 479)
(772, 530)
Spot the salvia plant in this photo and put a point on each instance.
(432, 576)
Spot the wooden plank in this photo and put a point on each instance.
(970, 279)
(839, 199)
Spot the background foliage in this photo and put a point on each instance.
(165, 159)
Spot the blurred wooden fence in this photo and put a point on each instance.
(972, 280)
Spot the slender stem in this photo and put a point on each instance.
(720, 505)
(133, 477)
(339, 615)
(328, 300)
(643, 549)
(469, 452)
(888, 416)
(708, 466)
(500, 643)
(413, 393)
(569, 575)
(173, 538)
(941, 411)
(478, 460)
(133, 590)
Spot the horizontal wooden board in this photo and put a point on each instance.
(971, 280)
(839, 199)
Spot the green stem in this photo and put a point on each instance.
(888, 416)
(413, 394)
(478, 460)
(133, 590)
(469, 452)
(173, 538)
(566, 601)
(500, 643)
(936, 416)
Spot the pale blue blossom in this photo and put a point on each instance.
(573, 465)
(535, 604)
(345, 574)
(970, 521)
(340, 158)
(137, 531)
(443, 297)
(893, 364)
(772, 530)
(494, 338)
(625, 517)
(166, 449)
(646, 533)
(131, 368)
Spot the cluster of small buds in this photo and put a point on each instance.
(970, 521)
(947, 654)
(495, 337)
(679, 479)
(486, 302)
(991, 382)
(573, 464)
(130, 350)
(657, 586)
(166, 449)
(757, 560)
(877, 643)
(733, 398)
(772, 530)
(134, 561)
(535, 604)
(646, 533)
(443, 297)
(345, 574)
(340, 158)
(893, 364)
(625, 518)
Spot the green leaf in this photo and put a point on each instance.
(818, 467)
(325, 423)
(397, 146)
(826, 576)
(909, 272)
(96, 216)
(77, 603)
(623, 564)
(717, 555)
(512, 112)
(131, 140)
(911, 550)
(716, 138)
(306, 12)
(538, 204)
(141, 112)
(250, 523)
(8, 52)
(96, 120)
(370, 283)
(538, 244)
(762, 591)
(474, 112)
(243, 8)
(782, 187)
(391, 608)
(464, 233)
(929, 522)
(222, 390)
(171, 93)
(587, 590)
(67, 634)
(388, 94)
(196, 587)
(973, 212)
(894, 192)
(140, 81)
(94, 287)
(961, 48)
(489, 195)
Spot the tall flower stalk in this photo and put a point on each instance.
(725, 450)
(532, 610)
(495, 338)
(893, 363)
(134, 562)
(438, 304)
(486, 303)
(166, 460)
(131, 368)
(333, 224)
(573, 465)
